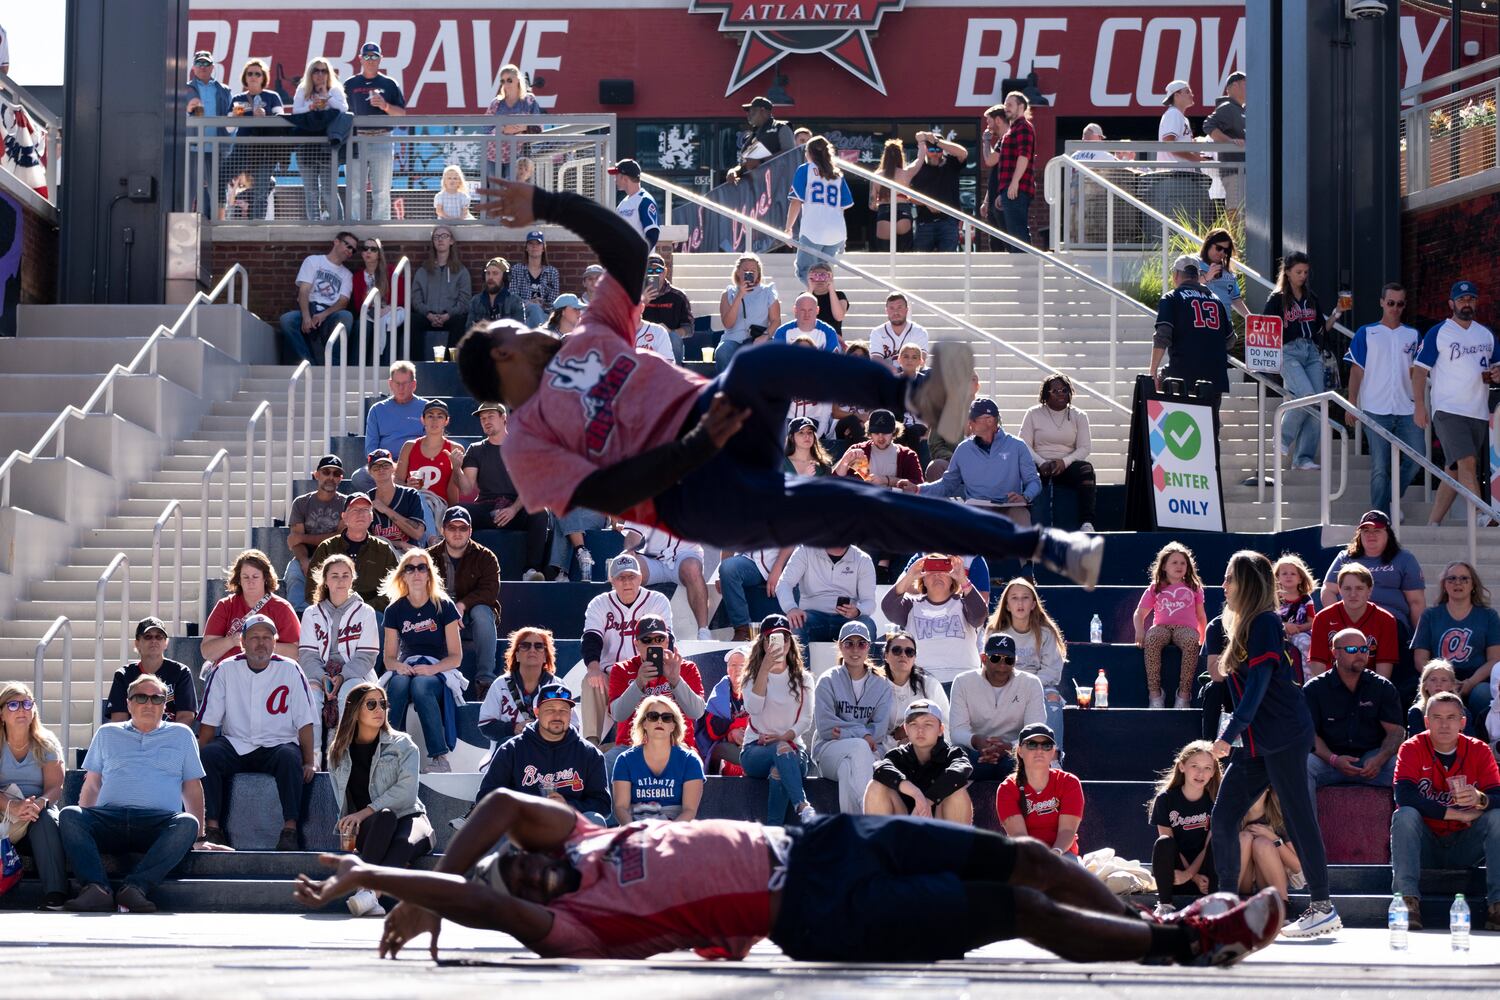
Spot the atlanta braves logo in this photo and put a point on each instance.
(597, 387)
(1455, 645)
(772, 31)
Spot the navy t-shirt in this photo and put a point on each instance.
(657, 796)
(358, 90)
(408, 504)
(421, 631)
(181, 695)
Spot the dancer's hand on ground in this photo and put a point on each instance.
(345, 879)
(723, 420)
(408, 921)
(506, 202)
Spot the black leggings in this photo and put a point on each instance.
(1244, 780)
(392, 841)
(1078, 476)
(1165, 861)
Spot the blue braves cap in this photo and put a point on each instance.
(1462, 289)
(370, 49)
(556, 691)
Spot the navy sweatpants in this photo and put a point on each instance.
(741, 498)
(1245, 779)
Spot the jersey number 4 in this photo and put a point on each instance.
(1205, 315)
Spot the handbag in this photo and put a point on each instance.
(10, 861)
(13, 829)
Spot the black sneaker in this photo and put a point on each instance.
(55, 901)
(216, 835)
(288, 841)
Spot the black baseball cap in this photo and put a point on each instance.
(148, 623)
(652, 626)
(999, 644)
(759, 102)
(330, 461)
(556, 691)
(798, 423)
(457, 514)
(434, 404)
(775, 623)
(628, 168)
(1035, 729)
(1378, 518)
(379, 455)
(881, 422)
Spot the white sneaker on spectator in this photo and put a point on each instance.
(1306, 465)
(365, 903)
(705, 634)
(1086, 526)
(1157, 700)
(807, 813)
(533, 575)
(1318, 919)
(1183, 701)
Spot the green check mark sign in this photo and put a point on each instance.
(1182, 435)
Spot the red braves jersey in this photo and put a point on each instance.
(652, 887)
(1418, 763)
(264, 709)
(600, 401)
(1376, 623)
(1063, 796)
(623, 674)
(616, 621)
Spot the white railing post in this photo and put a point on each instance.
(1396, 483)
(303, 370)
(39, 679)
(1325, 470)
(121, 563)
(1041, 309)
(263, 410)
(172, 510)
(340, 336)
(220, 457)
(891, 249)
(968, 232)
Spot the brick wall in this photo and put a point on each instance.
(38, 260)
(1439, 246)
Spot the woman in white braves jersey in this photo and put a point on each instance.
(340, 641)
(609, 627)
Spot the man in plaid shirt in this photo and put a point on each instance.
(1017, 168)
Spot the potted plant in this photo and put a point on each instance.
(1476, 137)
(1442, 165)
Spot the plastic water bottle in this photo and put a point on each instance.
(1101, 690)
(1458, 924)
(586, 565)
(1096, 630)
(1398, 919)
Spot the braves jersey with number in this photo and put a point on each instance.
(639, 210)
(1456, 359)
(251, 709)
(600, 402)
(654, 337)
(616, 621)
(823, 203)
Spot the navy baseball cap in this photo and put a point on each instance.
(457, 514)
(999, 644)
(556, 691)
(629, 168)
(759, 102)
(330, 461)
(434, 404)
(798, 423)
(537, 235)
(1461, 289)
(379, 455)
(881, 422)
(775, 623)
(983, 406)
(355, 498)
(370, 50)
(652, 626)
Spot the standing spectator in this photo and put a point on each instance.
(1038, 799)
(658, 777)
(319, 90)
(324, 285)
(257, 719)
(433, 462)
(940, 163)
(610, 623)
(657, 670)
(1380, 359)
(909, 683)
(314, 518)
(151, 646)
(992, 704)
(1039, 643)
(1179, 191)
(471, 575)
(1174, 603)
(397, 419)
(852, 706)
(1216, 268)
(374, 773)
(257, 101)
(495, 300)
(1305, 333)
(1463, 629)
(819, 196)
(1294, 587)
(664, 557)
(889, 338)
(399, 515)
(1438, 675)
(31, 787)
(451, 202)
(990, 465)
(807, 325)
(767, 137)
(1267, 735)
(373, 556)
(893, 166)
(666, 305)
(550, 760)
(340, 641)
(780, 706)
(1355, 610)
(1462, 359)
(536, 283)
(833, 587)
(250, 583)
(1447, 788)
(206, 98)
(1016, 174)
(440, 294)
(372, 93)
(936, 602)
(1057, 434)
(1183, 860)
(637, 207)
(530, 665)
(1357, 724)
(993, 130)
(375, 272)
(1227, 124)
(142, 791)
(880, 459)
(422, 654)
(515, 98)
(745, 573)
(1192, 326)
(749, 309)
(926, 777)
(498, 504)
(833, 305)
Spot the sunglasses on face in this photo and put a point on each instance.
(367, 248)
(855, 643)
(508, 79)
(257, 73)
(1011, 660)
(1226, 247)
(372, 704)
(655, 640)
(526, 644)
(659, 717)
(149, 699)
(20, 704)
(416, 568)
(351, 247)
(1351, 650)
(901, 651)
(320, 69)
(332, 473)
(1457, 579)
(1038, 745)
(158, 637)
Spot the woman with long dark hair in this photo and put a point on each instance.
(893, 166)
(805, 454)
(1304, 335)
(909, 683)
(440, 292)
(820, 196)
(1216, 270)
(375, 272)
(778, 692)
(1267, 738)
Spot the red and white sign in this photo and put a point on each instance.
(1263, 344)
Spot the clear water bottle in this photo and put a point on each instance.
(586, 565)
(1096, 630)
(1398, 919)
(1101, 690)
(1458, 924)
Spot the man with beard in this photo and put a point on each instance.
(496, 301)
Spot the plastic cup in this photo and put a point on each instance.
(440, 354)
(1346, 300)
(346, 841)
(708, 355)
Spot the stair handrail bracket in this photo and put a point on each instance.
(62, 624)
(302, 376)
(339, 337)
(119, 564)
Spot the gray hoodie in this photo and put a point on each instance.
(836, 706)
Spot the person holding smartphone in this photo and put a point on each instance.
(657, 670)
(749, 308)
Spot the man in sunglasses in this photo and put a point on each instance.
(152, 802)
(314, 518)
(991, 705)
(1380, 358)
(151, 646)
(324, 286)
(1358, 724)
(549, 759)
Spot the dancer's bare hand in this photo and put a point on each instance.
(506, 202)
(723, 420)
(405, 922)
(344, 880)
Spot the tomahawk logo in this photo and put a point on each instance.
(773, 31)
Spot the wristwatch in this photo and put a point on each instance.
(1279, 842)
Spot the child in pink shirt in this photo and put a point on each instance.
(1174, 603)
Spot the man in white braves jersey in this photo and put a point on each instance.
(655, 338)
(609, 627)
(665, 557)
(887, 339)
(638, 207)
(257, 719)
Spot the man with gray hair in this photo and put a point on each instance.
(807, 324)
(1193, 329)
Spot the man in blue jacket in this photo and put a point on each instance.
(551, 760)
(990, 465)
(206, 98)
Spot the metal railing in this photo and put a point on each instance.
(263, 410)
(221, 457)
(340, 338)
(64, 625)
(120, 563)
(301, 372)
(173, 510)
(844, 264)
(371, 306)
(104, 394)
(1449, 137)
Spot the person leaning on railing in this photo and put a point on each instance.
(319, 90)
(515, 98)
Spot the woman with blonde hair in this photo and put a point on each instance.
(1040, 647)
(514, 98)
(1437, 676)
(250, 584)
(422, 654)
(1463, 628)
(31, 785)
(319, 90)
(750, 309)
(658, 777)
(1267, 855)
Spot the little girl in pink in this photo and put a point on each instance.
(1174, 603)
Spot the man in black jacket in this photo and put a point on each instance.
(551, 760)
(927, 777)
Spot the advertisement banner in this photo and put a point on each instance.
(760, 194)
(1263, 344)
(1184, 466)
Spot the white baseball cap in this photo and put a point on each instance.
(1173, 89)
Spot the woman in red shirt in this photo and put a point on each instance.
(432, 462)
(1049, 805)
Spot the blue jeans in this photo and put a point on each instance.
(1015, 214)
(1302, 374)
(580, 520)
(164, 836)
(823, 626)
(806, 259)
(378, 160)
(307, 347)
(294, 586)
(1055, 705)
(759, 760)
(1321, 774)
(536, 316)
(737, 575)
(1404, 426)
(997, 770)
(320, 184)
(939, 234)
(1414, 847)
(426, 692)
(725, 351)
(479, 623)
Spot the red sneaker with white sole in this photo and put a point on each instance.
(1229, 937)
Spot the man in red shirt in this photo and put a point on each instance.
(1017, 170)
(656, 669)
(1447, 791)
(1357, 612)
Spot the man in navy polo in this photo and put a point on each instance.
(373, 93)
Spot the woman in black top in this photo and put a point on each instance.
(257, 100)
(1304, 335)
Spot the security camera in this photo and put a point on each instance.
(1358, 10)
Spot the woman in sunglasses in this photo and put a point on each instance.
(658, 777)
(374, 773)
(422, 654)
(320, 90)
(31, 783)
(1464, 628)
(1216, 271)
(374, 271)
(909, 683)
(257, 100)
(510, 705)
(853, 710)
(1039, 800)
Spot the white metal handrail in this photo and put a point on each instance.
(173, 510)
(64, 625)
(221, 457)
(340, 336)
(263, 410)
(121, 564)
(105, 392)
(841, 262)
(1448, 79)
(298, 374)
(371, 306)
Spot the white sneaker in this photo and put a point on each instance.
(807, 813)
(1183, 701)
(1163, 910)
(705, 634)
(364, 903)
(1306, 465)
(941, 400)
(439, 765)
(1318, 919)
(1157, 700)
(1075, 555)
(1086, 526)
(533, 575)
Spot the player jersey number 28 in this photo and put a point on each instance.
(823, 192)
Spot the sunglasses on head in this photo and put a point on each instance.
(1000, 659)
(658, 717)
(1039, 745)
(371, 704)
(19, 704)
(536, 644)
(416, 568)
(855, 642)
(1351, 650)
(901, 651)
(149, 699)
